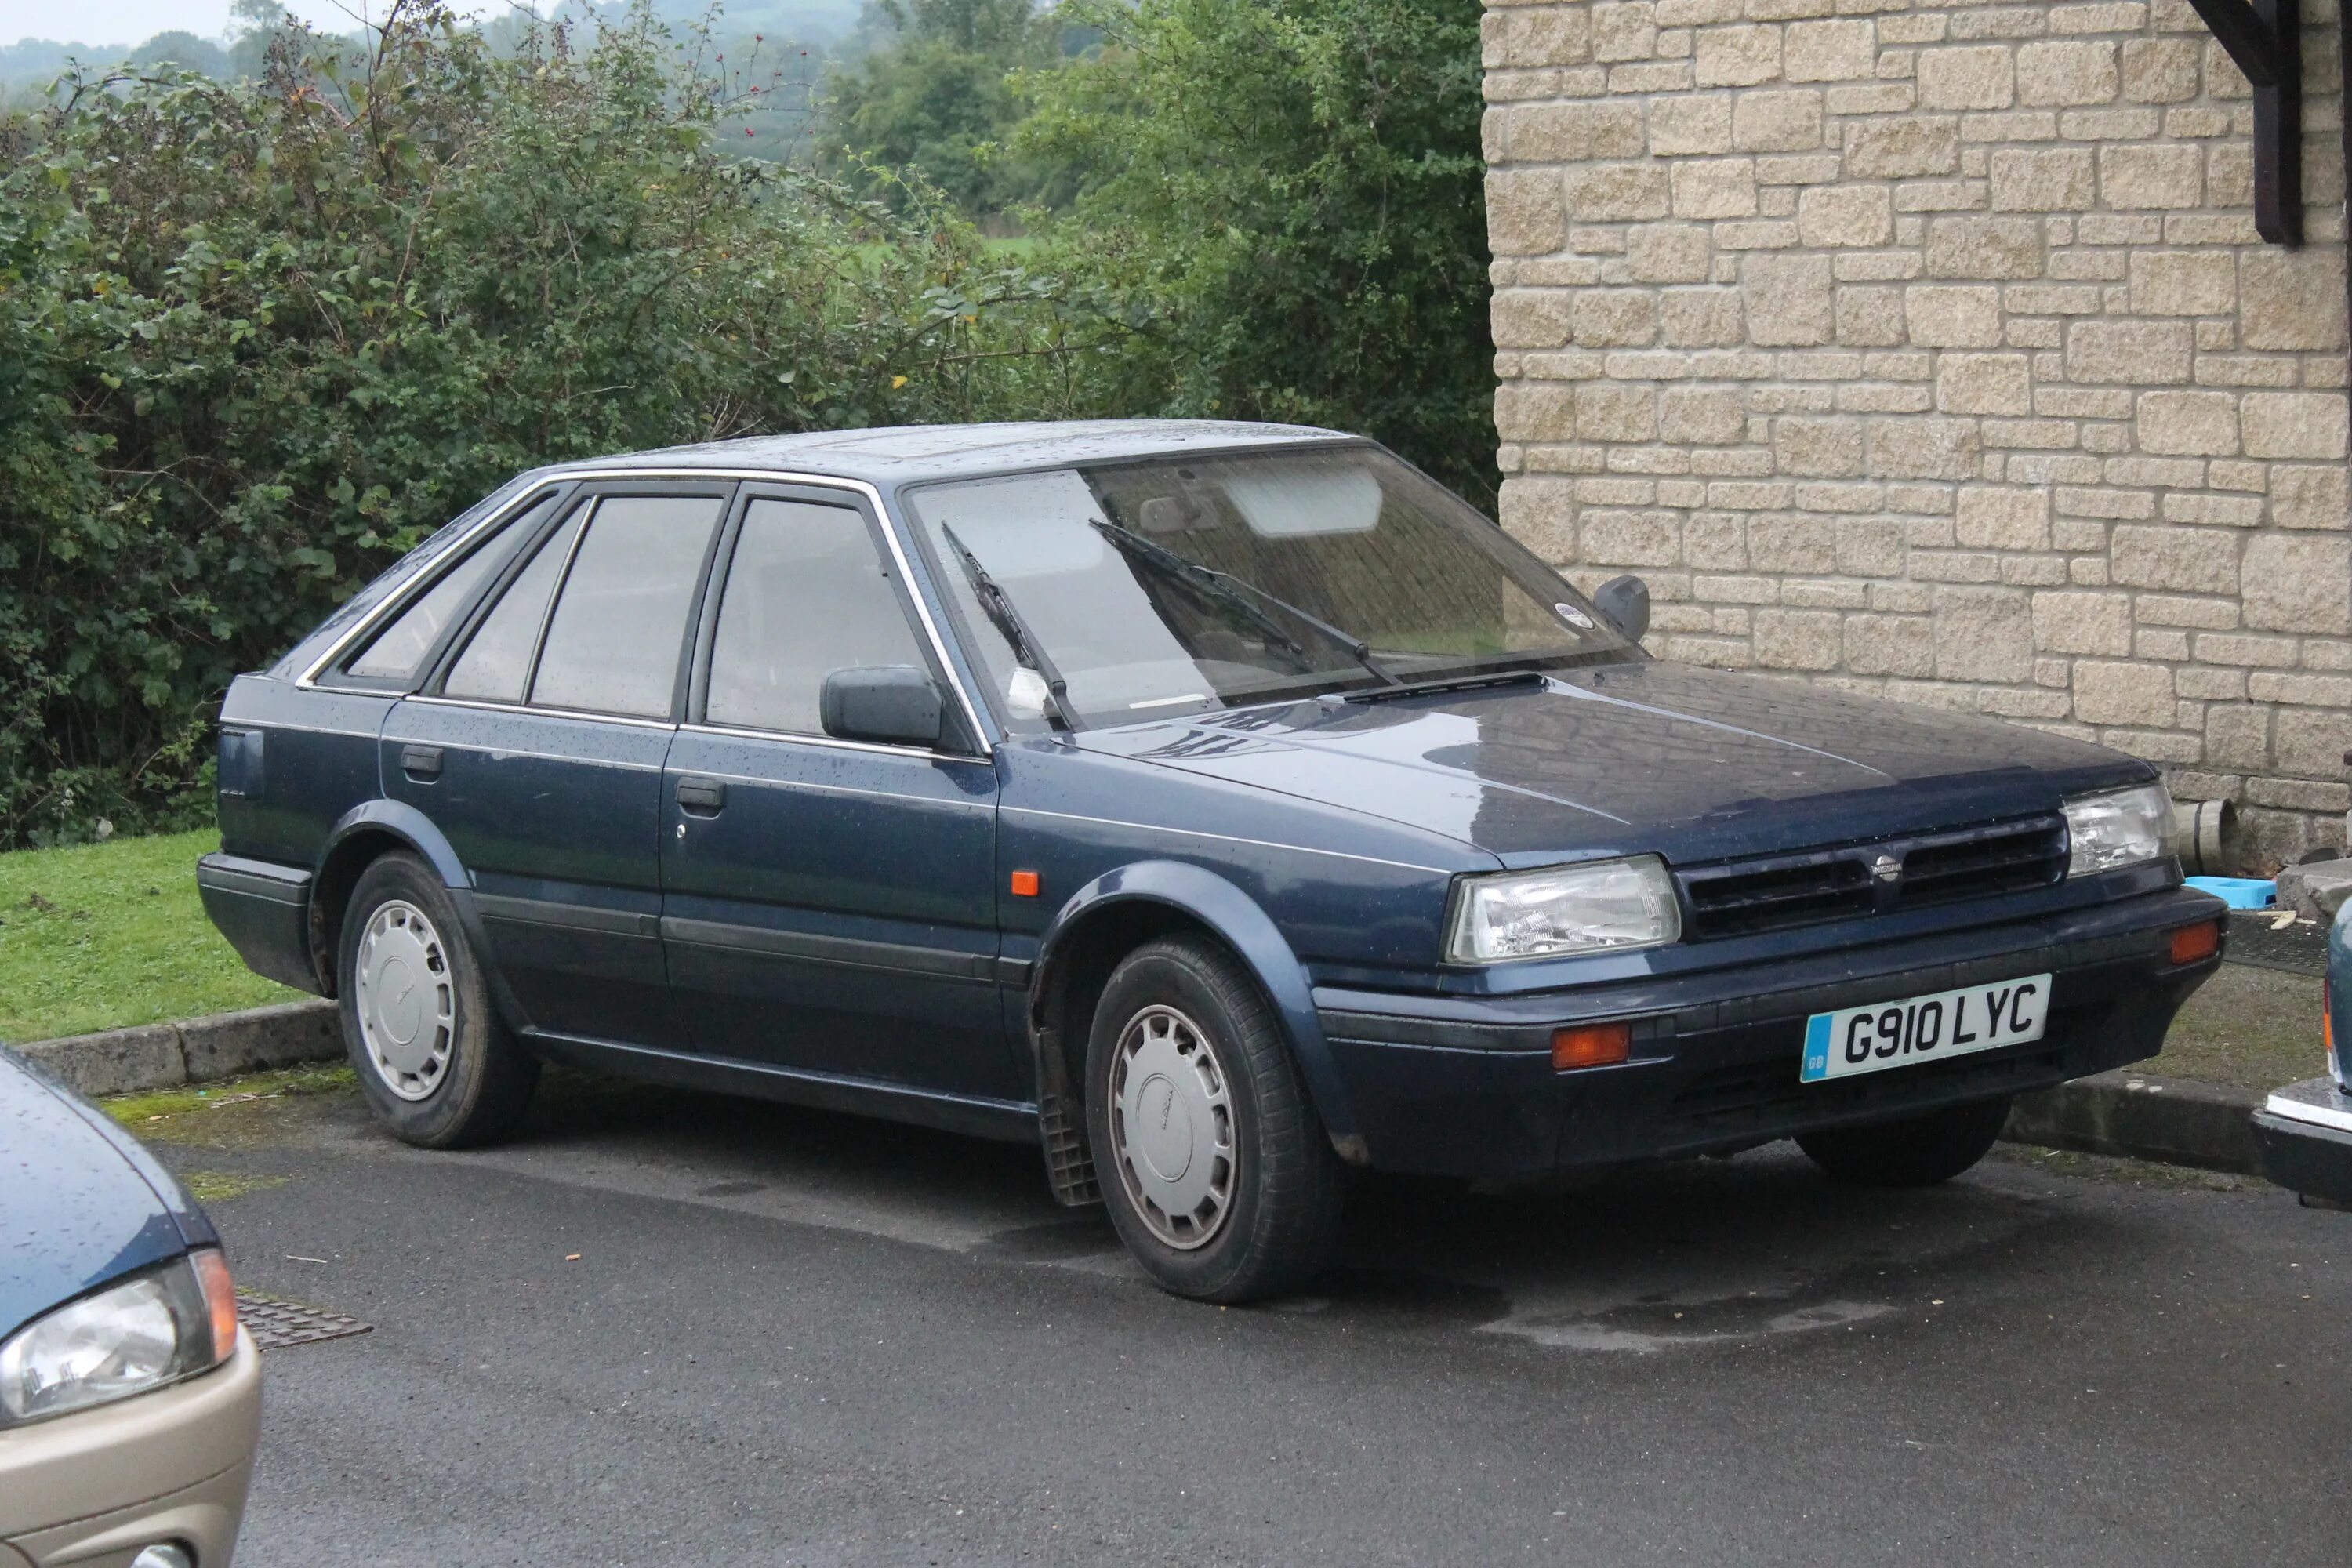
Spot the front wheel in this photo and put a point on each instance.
(1916, 1151)
(1220, 1177)
(432, 1057)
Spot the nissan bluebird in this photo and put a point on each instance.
(1217, 806)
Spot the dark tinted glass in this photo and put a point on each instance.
(807, 594)
(614, 644)
(498, 661)
(401, 647)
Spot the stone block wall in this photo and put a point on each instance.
(1929, 350)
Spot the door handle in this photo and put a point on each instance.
(421, 763)
(702, 797)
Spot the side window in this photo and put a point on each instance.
(620, 625)
(806, 594)
(497, 661)
(396, 651)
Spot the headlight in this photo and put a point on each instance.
(1606, 907)
(152, 1328)
(2122, 827)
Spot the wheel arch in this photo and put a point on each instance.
(1109, 918)
(365, 834)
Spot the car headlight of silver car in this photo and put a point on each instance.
(141, 1333)
(2120, 827)
(1607, 906)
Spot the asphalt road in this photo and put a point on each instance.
(795, 1338)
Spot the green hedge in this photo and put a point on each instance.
(257, 339)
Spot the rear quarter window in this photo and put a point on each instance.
(399, 650)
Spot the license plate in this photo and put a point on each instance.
(1924, 1028)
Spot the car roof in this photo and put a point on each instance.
(910, 454)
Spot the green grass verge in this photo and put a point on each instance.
(2247, 1027)
(104, 935)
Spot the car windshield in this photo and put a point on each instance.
(1194, 584)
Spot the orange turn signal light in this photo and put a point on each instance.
(2190, 943)
(220, 1297)
(1025, 884)
(1590, 1046)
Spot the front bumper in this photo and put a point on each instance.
(1466, 1086)
(92, 1489)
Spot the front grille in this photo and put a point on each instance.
(1775, 892)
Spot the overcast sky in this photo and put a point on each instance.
(136, 21)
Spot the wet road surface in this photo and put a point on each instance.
(789, 1337)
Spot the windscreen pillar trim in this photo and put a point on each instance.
(2265, 37)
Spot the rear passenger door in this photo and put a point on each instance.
(537, 748)
(830, 903)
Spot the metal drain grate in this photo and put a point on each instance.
(274, 1324)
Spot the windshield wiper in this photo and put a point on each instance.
(1248, 598)
(1468, 681)
(999, 607)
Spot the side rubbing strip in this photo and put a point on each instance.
(854, 952)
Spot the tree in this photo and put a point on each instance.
(937, 99)
(1292, 190)
(255, 23)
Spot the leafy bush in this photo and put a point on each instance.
(939, 98)
(1293, 188)
(256, 339)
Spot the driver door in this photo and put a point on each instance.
(829, 906)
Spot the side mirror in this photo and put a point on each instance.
(1626, 602)
(894, 704)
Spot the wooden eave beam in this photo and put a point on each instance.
(2265, 38)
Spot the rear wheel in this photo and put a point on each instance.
(1217, 1173)
(1916, 1151)
(432, 1057)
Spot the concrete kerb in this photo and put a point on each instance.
(2176, 1122)
(198, 1050)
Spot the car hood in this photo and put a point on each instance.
(80, 1202)
(1693, 764)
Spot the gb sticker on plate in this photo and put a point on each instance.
(1924, 1028)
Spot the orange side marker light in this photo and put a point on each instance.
(2193, 943)
(1590, 1046)
(1025, 884)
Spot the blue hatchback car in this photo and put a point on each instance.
(1219, 807)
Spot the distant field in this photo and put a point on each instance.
(1011, 248)
(104, 935)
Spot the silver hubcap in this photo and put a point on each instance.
(407, 1003)
(1171, 1121)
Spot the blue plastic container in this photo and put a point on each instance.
(2238, 892)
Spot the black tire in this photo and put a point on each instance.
(483, 1084)
(1916, 1151)
(1279, 1225)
